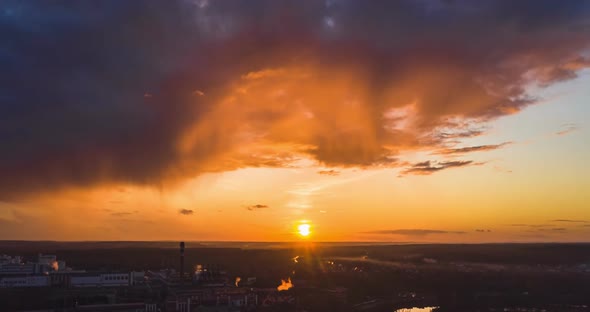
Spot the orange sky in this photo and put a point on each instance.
(206, 122)
(533, 189)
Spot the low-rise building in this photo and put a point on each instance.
(19, 268)
(24, 281)
(100, 280)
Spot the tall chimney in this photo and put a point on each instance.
(181, 261)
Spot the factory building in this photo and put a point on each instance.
(100, 280)
(20, 269)
(24, 281)
(44, 264)
(219, 299)
(73, 279)
(5, 259)
(137, 278)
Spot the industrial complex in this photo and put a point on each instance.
(207, 287)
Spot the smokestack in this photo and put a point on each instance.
(181, 260)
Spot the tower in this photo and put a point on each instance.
(181, 260)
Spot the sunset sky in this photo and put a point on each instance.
(397, 121)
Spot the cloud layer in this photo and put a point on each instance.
(152, 93)
(413, 232)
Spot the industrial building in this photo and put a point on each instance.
(207, 287)
(44, 264)
(24, 281)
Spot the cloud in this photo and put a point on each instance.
(151, 95)
(186, 212)
(530, 225)
(470, 149)
(483, 230)
(330, 172)
(121, 214)
(553, 230)
(567, 129)
(428, 167)
(256, 207)
(412, 232)
(502, 169)
(570, 221)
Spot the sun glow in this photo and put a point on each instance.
(304, 229)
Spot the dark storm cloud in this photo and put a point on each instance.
(256, 207)
(413, 232)
(108, 92)
(186, 212)
(430, 167)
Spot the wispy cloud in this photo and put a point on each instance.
(570, 221)
(567, 129)
(413, 232)
(121, 214)
(483, 230)
(303, 192)
(430, 167)
(553, 230)
(529, 225)
(330, 172)
(256, 207)
(502, 169)
(470, 149)
(186, 212)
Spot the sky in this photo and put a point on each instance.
(387, 121)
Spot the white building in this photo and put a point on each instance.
(5, 259)
(19, 268)
(101, 280)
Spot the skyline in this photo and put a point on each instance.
(413, 121)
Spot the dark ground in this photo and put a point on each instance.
(555, 277)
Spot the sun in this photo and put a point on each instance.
(304, 229)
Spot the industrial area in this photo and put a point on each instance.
(208, 276)
(202, 287)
